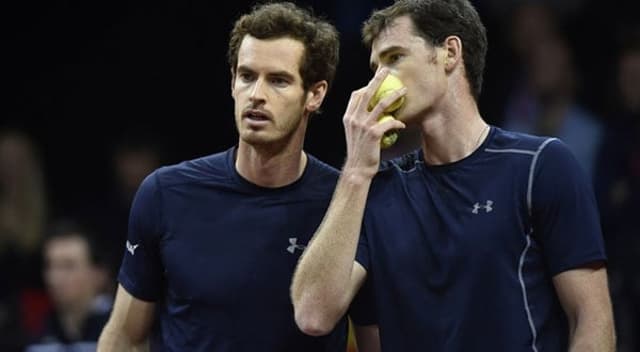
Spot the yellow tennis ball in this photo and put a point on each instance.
(390, 84)
(390, 137)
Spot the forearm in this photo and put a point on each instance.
(584, 295)
(322, 285)
(115, 340)
(593, 335)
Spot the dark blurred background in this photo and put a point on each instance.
(99, 93)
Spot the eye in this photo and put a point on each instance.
(393, 58)
(245, 76)
(279, 81)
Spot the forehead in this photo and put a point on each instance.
(399, 33)
(67, 246)
(281, 54)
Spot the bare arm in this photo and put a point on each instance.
(584, 295)
(327, 277)
(367, 338)
(128, 326)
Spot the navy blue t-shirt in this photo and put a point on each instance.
(218, 253)
(461, 256)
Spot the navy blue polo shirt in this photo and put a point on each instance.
(217, 253)
(460, 257)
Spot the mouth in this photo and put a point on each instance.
(257, 116)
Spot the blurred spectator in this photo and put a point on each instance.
(618, 185)
(75, 279)
(22, 196)
(133, 157)
(546, 104)
(23, 213)
(133, 160)
(501, 8)
(530, 22)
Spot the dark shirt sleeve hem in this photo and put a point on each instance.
(596, 258)
(131, 288)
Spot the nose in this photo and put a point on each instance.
(257, 91)
(389, 69)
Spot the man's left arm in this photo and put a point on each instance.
(584, 296)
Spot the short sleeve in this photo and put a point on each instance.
(565, 215)
(141, 270)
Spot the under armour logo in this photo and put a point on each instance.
(294, 245)
(488, 207)
(132, 248)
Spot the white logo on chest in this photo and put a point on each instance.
(488, 207)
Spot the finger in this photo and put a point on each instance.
(386, 124)
(377, 78)
(381, 107)
(374, 83)
(393, 98)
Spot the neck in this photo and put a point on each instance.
(269, 166)
(72, 319)
(453, 131)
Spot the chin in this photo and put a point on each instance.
(257, 138)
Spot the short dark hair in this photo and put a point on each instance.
(285, 19)
(435, 20)
(70, 228)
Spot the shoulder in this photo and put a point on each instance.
(539, 151)
(203, 169)
(320, 176)
(503, 139)
(322, 169)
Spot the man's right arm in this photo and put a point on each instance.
(129, 324)
(327, 277)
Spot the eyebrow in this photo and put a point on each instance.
(279, 73)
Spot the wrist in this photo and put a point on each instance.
(357, 175)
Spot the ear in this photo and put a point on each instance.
(315, 96)
(453, 52)
(233, 80)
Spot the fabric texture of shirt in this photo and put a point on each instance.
(218, 253)
(460, 257)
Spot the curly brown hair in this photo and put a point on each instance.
(285, 19)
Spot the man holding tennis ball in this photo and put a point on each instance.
(480, 240)
(390, 84)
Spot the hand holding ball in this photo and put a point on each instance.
(390, 137)
(390, 84)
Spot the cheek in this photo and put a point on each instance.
(288, 112)
(296, 113)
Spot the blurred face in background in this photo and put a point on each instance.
(629, 80)
(70, 276)
(530, 23)
(551, 69)
(18, 163)
(131, 167)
